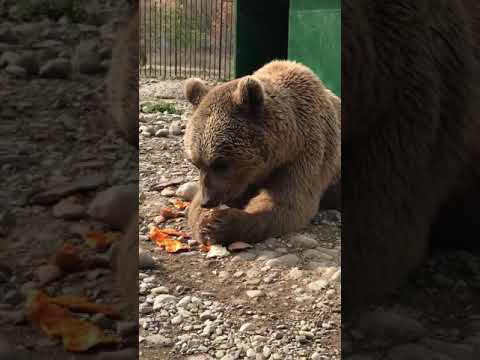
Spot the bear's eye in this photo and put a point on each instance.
(219, 166)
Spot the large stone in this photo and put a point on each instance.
(56, 69)
(288, 260)
(187, 191)
(389, 325)
(59, 191)
(115, 205)
(87, 58)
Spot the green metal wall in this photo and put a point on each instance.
(262, 33)
(308, 31)
(314, 38)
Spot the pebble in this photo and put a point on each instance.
(217, 251)
(162, 133)
(159, 340)
(160, 290)
(126, 328)
(284, 260)
(207, 315)
(68, 209)
(145, 260)
(115, 205)
(57, 69)
(247, 327)
(187, 191)
(392, 326)
(47, 273)
(254, 293)
(303, 241)
(175, 128)
(318, 285)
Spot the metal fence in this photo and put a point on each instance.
(186, 38)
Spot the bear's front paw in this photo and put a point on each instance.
(220, 226)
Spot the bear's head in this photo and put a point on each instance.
(225, 138)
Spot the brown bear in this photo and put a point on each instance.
(410, 135)
(267, 146)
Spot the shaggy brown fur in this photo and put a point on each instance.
(123, 96)
(409, 136)
(268, 146)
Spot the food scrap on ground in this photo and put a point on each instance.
(181, 205)
(68, 259)
(100, 240)
(169, 213)
(77, 335)
(163, 238)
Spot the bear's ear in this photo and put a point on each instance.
(195, 91)
(249, 94)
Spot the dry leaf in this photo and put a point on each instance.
(238, 245)
(68, 259)
(77, 335)
(101, 241)
(174, 232)
(163, 240)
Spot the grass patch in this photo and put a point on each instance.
(150, 107)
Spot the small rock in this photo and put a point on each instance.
(159, 340)
(318, 285)
(238, 245)
(87, 58)
(16, 71)
(124, 354)
(126, 328)
(12, 317)
(69, 210)
(168, 192)
(160, 290)
(47, 273)
(187, 191)
(392, 326)
(217, 251)
(175, 128)
(284, 260)
(162, 133)
(177, 320)
(247, 327)
(115, 205)
(145, 260)
(254, 293)
(207, 315)
(163, 299)
(56, 69)
(303, 241)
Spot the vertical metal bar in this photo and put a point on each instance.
(231, 42)
(160, 38)
(190, 38)
(144, 51)
(165, 51)
(221, 38)
(195, 41)
(215, 30)
(226, 43)
(204, 45)
(155, 40)
(175, 34)
(171, 42)
(210, 48)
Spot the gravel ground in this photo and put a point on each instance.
(56, 162)
(277, 300)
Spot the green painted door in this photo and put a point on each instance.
(314, 38)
